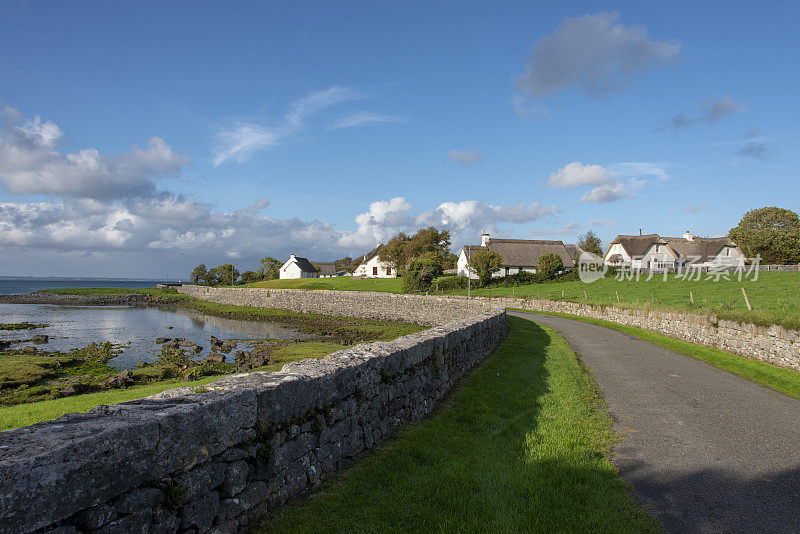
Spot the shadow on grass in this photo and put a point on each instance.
(518, 446)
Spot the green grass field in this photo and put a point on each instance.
(520, 446)
(782, 380)
(36, 412)
(342, 283)
(775, 296)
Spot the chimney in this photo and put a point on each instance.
(291, 256)
(640, 231)
(484, 239)
(688, 236)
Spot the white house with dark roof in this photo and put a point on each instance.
(297, 268)
(518, 255)
(652, 251)
(371, 266)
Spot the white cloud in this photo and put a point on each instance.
(30, 163)
(612, 191)
(641, 168)
(467, 157)
(477, 213)
(526, 108)
(593, 53)
(362, 118)
(614, 182)
(241, 139)
(577, 174)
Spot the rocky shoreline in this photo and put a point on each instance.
(76, 300)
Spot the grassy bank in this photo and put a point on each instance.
(36, 412)
(775, 296)
(520, 446)
(85, 380)
(786, 381)
(341, 283)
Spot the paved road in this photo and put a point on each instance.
(705, 451)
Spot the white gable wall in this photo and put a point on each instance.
(375, 268)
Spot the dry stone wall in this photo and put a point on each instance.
(222, 458)
(424, 310)
(773, 344)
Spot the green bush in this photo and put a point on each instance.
(450, 283)
(422, 271)
(550, 264)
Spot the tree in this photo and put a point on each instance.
(427, 240)
(402, 249)
(550, 264)
(393, 252)
(485, 263)
(269, 267)
(250, 276)
(224, 274)
(771, 232)
(450, 261)
(591, 243)
(422, 271)
(199, 274)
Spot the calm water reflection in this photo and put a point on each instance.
(75, 326)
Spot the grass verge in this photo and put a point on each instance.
(782, 380)
(36, 412)
(520, 446)
(774, 296)
(341, 283)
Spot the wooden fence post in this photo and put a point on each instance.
(691, 296)
(747, 300)
(617, 292)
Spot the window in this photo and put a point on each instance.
(388, 270)
(375, 271)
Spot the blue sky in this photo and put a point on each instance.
(142, 139)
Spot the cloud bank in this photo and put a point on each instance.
(594, 54)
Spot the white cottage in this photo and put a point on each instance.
(297, 268)
(518, 255)
(372, 267)
(654, 252)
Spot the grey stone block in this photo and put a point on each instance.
(139, 500)
(236, 475)
(200, 513)
(201, 479)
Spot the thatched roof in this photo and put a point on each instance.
(523, 252)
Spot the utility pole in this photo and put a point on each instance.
(469, 277)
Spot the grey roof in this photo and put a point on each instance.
(523, 252)
(371, 254)
(637, 245)
(574, 252)
(305, 265)
(702, 248)
(327, 269)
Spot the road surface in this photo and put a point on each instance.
(704, 450)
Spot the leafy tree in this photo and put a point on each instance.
(393, 252)
(550, 264)
(250, 276)
(343, 264)
(402, 249)
(773, 233)
(199, 274)
(450, 261)
(427, 240)
(269, 267)
(591, 243)
(224, 274)
(422, 272)
(484, 263)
